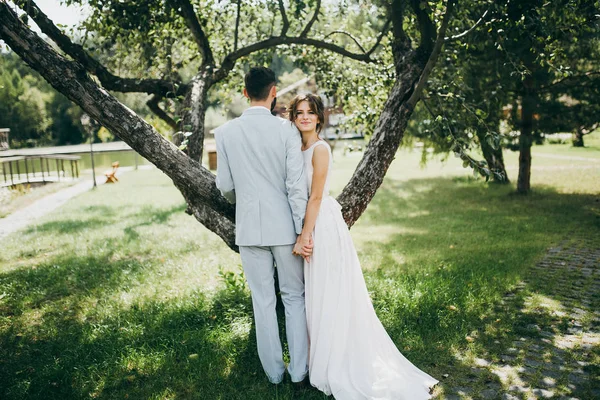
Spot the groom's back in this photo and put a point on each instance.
(256, 147)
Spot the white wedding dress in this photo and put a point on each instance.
(351, 355)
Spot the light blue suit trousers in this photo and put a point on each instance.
(258, 268)
(260, 168)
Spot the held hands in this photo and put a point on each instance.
(304, 247)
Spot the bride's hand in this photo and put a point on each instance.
(308, 249)
(297, 251)
(303, 247)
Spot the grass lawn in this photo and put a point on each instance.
(120, 294)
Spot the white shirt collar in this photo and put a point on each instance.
(258, 108)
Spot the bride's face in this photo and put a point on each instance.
(306, 119)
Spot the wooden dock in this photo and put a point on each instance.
(70, 149)
(18, 170)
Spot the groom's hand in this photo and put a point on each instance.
(303, 247)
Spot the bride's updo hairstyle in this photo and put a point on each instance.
(314, 103)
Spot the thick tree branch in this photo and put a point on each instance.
(70, 78)
(349, 35)
(193, 118)
(77, 52)
(471, 29)
(384, 32)
(191, 20)
(400, 42)
(284, 18)
(229, 61)
(312, 20)
(568, 79)
(160, 113)
(412, 73)
(425, 24)
(587, 130)
(237, 25)
(414, 98)
(396, 13)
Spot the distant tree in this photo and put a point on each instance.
(532, 64)
(571, 103)
(546, 44)
(34, 111)
(21, 106)
(465, 97)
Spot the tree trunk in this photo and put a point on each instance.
(194, 112)
(381, 149)
(526, 137)
(578, 137)
(493, 157)
(413, 67)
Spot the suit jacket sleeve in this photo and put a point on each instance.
(295, 182)
(224, 179)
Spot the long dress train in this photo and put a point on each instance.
(351, 355)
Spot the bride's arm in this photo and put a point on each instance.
(320, 162)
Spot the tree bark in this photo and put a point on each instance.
(578, 137)
(193, 114)
(526, 137)
(493, 157)
(413, 68)
(382, 148)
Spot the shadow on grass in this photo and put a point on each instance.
(100, 215)
(151, 216)
(71, 341)
(458, 249)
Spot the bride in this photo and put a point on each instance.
(351, 355)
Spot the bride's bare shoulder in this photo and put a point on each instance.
(321, 154)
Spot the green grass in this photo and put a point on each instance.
(591, 149)
(120, 294)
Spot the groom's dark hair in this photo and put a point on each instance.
(258, 81)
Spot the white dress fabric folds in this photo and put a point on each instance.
(351, 355)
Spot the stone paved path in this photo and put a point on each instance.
(557, 352)
(26, 216)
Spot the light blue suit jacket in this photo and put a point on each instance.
(260, 168)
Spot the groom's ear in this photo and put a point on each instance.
(245, 93)
(273, 91)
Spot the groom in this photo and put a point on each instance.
(261, 169)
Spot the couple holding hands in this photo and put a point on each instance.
(278, 172)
